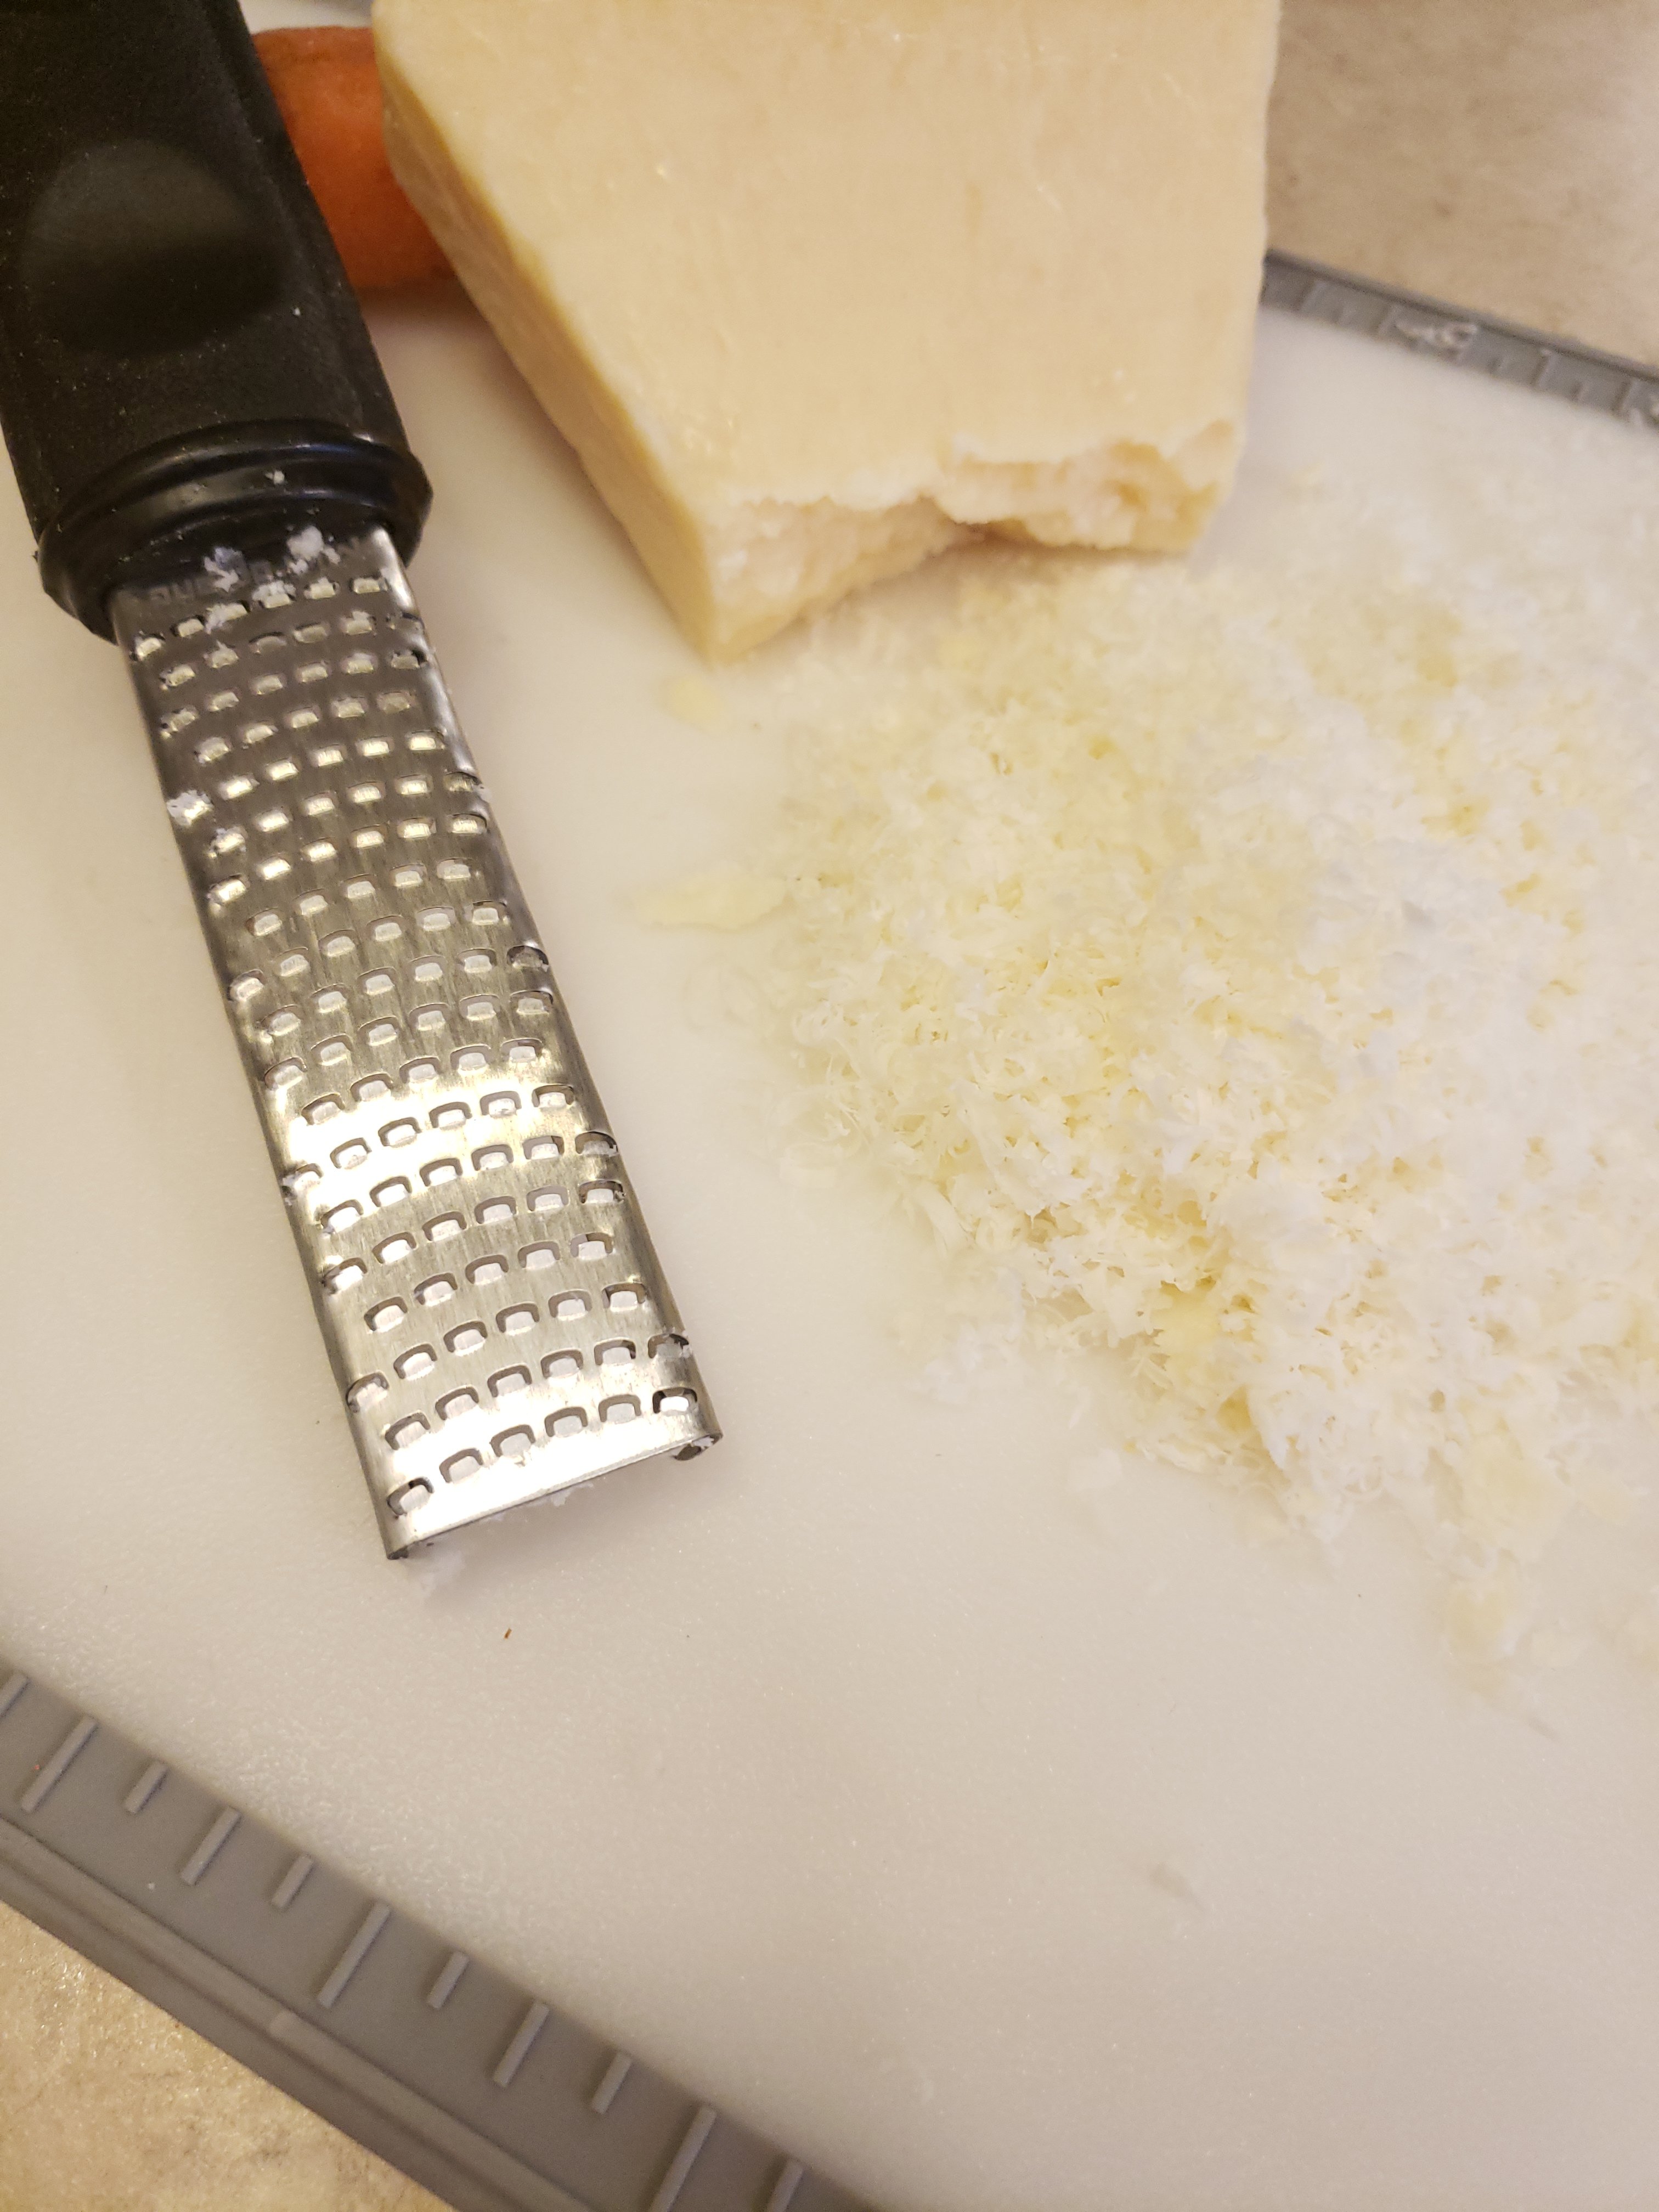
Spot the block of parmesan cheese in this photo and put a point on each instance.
(815, 287)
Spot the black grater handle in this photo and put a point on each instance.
(183, 364)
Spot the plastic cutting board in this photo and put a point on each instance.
(992, 1855)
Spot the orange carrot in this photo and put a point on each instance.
(329, 92)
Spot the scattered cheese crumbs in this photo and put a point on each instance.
(694, 699)
(723, 898)
(1256, 975)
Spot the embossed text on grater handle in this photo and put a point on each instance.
(496, 1317)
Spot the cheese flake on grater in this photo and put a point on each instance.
(815, 290)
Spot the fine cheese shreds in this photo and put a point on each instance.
(1255, 974)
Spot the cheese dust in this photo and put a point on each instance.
(1248, 974)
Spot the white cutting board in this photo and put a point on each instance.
(997, 1856)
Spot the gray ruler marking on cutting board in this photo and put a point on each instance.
(490, 2096)
(1508, 351)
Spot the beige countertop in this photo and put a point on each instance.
(108, 2105)
(1499, 154)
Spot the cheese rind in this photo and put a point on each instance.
(818, 291)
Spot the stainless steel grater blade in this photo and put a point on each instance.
(497, 1321)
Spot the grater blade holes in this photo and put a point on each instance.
(392, 926)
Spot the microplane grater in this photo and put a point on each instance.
(1463, 338)
(466, 2080)
(496, 1317)
(216, 476)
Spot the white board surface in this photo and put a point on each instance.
(997, 1856)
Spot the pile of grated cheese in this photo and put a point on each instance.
(1252, 973)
